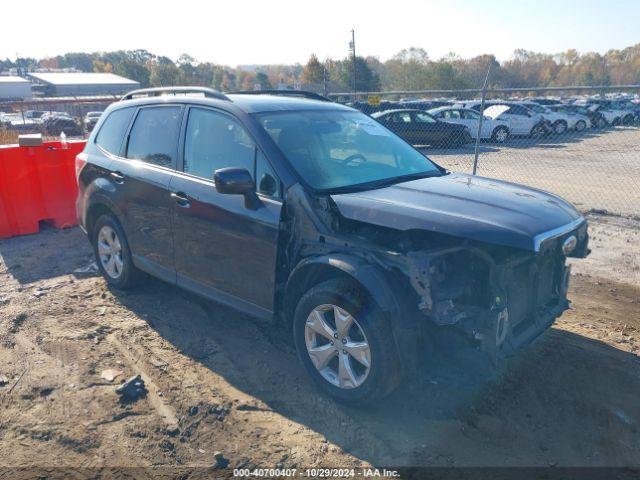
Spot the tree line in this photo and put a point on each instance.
(409, 69)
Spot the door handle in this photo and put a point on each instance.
(117, 177)
(181, 199)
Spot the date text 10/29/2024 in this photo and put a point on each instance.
(315, 472)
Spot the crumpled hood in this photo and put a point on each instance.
(465, 206)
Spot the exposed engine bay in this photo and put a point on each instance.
(497, 297)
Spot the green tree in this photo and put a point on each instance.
(313, 71)
(133, 70)
(165, 74)
(262, 79)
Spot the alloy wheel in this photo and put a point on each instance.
(110, 252)
(501, 135)
(560, 128)
(337, 346)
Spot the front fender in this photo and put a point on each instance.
(370, 276)
(388, 289)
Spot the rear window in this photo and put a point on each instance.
(113, 129)
(154, 136)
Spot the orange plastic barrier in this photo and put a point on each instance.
(37, 184)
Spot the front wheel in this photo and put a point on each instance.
(344, 343)
(500, 134)
(559, 127)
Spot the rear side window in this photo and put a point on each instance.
(154, 136)
(113, 129)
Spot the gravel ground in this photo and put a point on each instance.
(221, 382)
(596, 170)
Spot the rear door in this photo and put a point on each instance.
(428, 130)
(471, 120)
(142, 180)
(519, 119)
(225, 247)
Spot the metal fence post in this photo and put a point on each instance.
(483, 96)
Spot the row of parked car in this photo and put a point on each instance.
(49, 122)
(450, 123)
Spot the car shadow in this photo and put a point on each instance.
(555, 402)
(30, 258)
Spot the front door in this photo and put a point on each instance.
(226, 247)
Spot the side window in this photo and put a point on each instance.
(452, 114)
(266, 181)
(214, 140)
(401, 117)
(471, 115)
(516, 110)
(154, 136)
(113, 130)
(424, 118)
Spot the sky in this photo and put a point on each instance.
(272, 31)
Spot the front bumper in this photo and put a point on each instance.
(509, 330)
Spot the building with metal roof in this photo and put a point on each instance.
(55, 84)
(14, 88)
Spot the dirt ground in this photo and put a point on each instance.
(222, 382)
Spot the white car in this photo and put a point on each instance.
(494, 129)
(613, 117)
(560, 122)
(576, 121)
(521, 120)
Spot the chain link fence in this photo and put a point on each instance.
(581, 143)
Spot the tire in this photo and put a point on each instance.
(559, 127)
(580, 125)
(538, 131)
(627, 120)
(601, 122)
(124, 274)
(368, 327)
(500, 134)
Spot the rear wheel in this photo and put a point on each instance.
(112, 253)
(500, 134)
(581, 125)
(344, 342)
(559, 127)
(601, 122)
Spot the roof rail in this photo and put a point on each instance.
(284, 93)
(157, 91)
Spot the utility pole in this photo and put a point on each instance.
(352, 46)
(482, 99)
(324, 78)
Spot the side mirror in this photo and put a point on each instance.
(233, 181)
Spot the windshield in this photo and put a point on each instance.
(536, 108)
(338, 150)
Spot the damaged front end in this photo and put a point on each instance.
(492, 298)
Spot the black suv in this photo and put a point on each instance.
(314, 214)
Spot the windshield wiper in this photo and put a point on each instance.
(384, 182)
